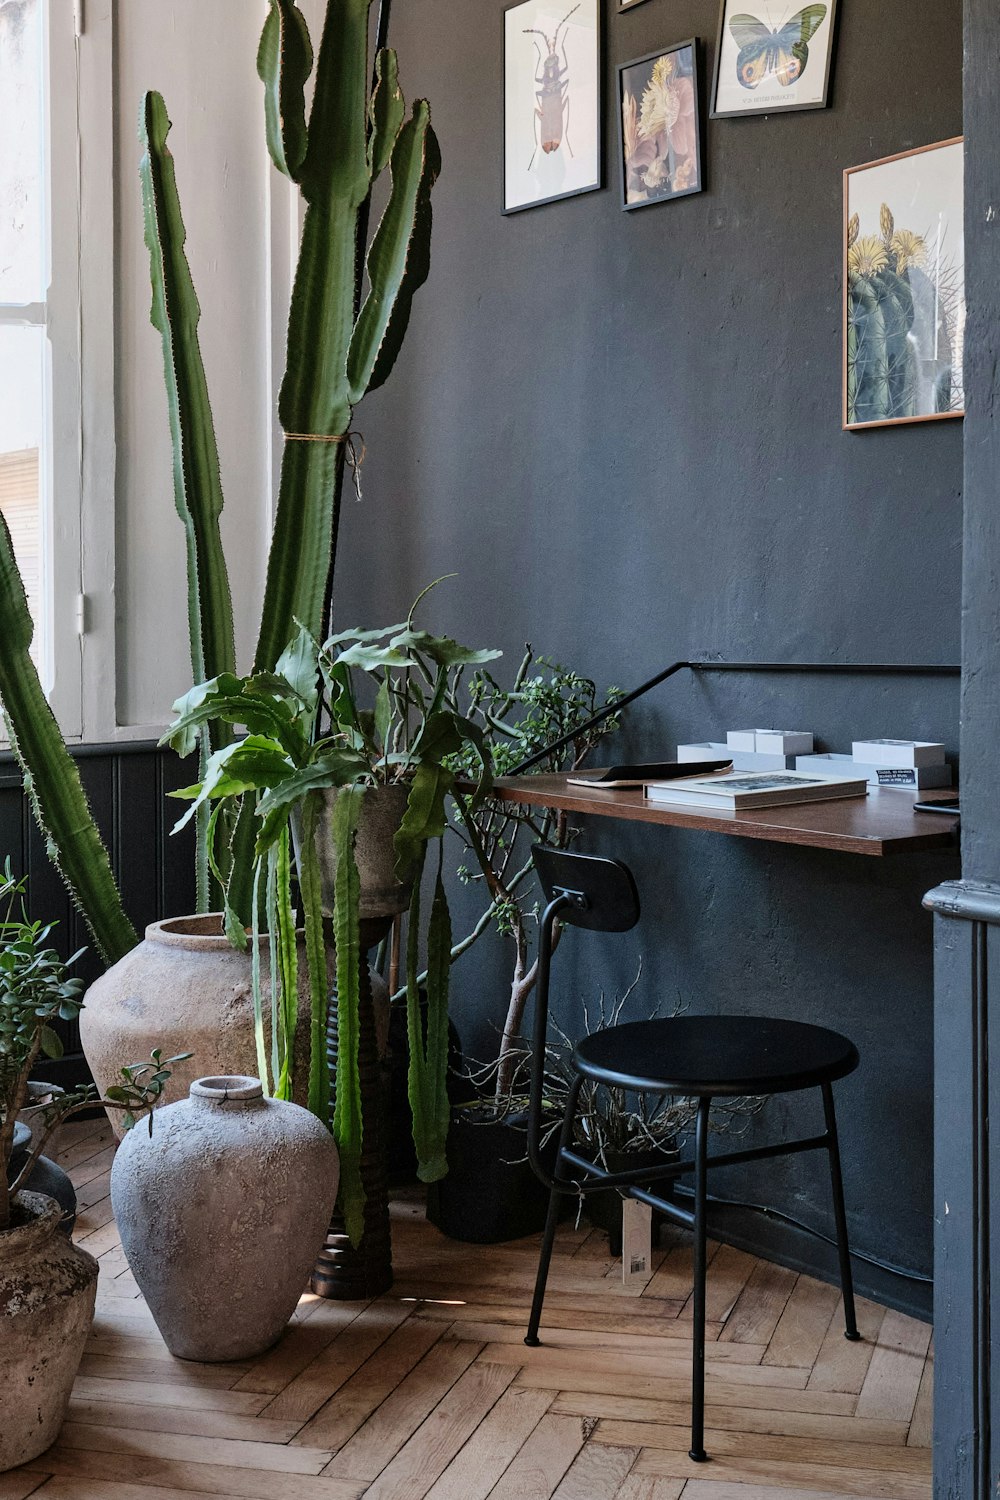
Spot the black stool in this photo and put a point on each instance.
(696, 1057)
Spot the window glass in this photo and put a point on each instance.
(22, 151)
(22, 421)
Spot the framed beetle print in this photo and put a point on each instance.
(773, 56)
(551, 101)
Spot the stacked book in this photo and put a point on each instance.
(738, 791)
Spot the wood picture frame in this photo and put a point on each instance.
(660, 166)
(904, 288)
(780, 97)
(548, 92)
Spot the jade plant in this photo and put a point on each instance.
(342, 343)
(368, 709)
(37, 992)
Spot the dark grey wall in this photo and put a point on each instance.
(624, 432)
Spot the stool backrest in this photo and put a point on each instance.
(602, 893)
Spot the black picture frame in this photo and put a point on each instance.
(694, 45)
(624, 5)
(727, 6)
(591, 187)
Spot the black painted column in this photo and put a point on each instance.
(967, 912)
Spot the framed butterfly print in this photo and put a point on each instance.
(773, 56)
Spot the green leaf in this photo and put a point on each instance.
(298, 666)
(441, 649)
(399, 259)
(383, 713)
(311, 889)
(284, 62)
(332, 769)
(428, 1074)
(348, 1121)
(249, 765)
(286, 1004)
(425, 817)
(51, 1043)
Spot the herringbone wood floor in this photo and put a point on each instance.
(429, 1392)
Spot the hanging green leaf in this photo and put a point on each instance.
(348, 1124)
(311, 890)
(428, 1074)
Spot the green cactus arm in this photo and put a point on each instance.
(385, 113)
(51, 778)
(399, 259)
(175, 314)
(284, 62)
(348, 1123)
(314, 402)
(428, 1073)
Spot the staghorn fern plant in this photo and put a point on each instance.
(340, 346)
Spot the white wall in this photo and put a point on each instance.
(201, 56)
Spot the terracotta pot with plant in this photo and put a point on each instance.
(48, 1285)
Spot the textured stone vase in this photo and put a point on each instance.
(222, 1212)
(185, 989)
(382, 895)
(47, 1291)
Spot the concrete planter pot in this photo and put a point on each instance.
(185, 989)
(48, 1287)
(382, 895)
(222, 1212)
(46, 1178)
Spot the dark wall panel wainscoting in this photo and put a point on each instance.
(128, 787)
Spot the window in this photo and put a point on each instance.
(39, 330)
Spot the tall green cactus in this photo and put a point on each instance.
(50, 774)
(175, 315)
(334, 358)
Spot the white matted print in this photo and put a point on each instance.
(773, 55)
(552, 101)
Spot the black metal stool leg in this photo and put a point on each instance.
(551, 1221)
(840, 1216)
(697, 1450)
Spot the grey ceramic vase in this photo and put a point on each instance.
(48, 1287)
(222, 1212)
(382, 809)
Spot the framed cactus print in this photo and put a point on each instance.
(904, 288)
(551, 101)
(773, 56)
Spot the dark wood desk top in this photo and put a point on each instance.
(881, 823)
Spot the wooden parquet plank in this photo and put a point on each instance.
(424, 1458)
(280, 1458)
(299, 1346)
(596, 1474)
(824, 1454)
(481, 1463)
(162, 1371)
(344, 1354)
(195, 1421)
(921, 1432)
(649, 1487)
(719, 1391)
(641, 1318)
(336, 1422)
(760, 1305)
(893, 1378)
(729, 1356)
(656, 1339)
(675, 1276)
(98, 1476)
(803, 1325)
(723, 1415)
(95, 1169)
(840, 1365)
(773, 1476)
(542, 1461)
(712, 1489)
(149, 1393)
(729, 1273)
(375, 1444)
(18, 1486)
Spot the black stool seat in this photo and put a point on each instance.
(710, 1056)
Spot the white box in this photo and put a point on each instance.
(742, 739)
(898, 754)
(783, 742)
(711, 750)
(903, 778)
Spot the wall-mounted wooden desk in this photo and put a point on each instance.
(881, 823)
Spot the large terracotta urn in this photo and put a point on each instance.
(222, 1211)
(185, 989)
(48, 1287)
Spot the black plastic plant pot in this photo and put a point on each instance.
(490, 1193)
(604, 1208)
(45, 1177)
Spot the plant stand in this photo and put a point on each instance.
(343, 1273)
